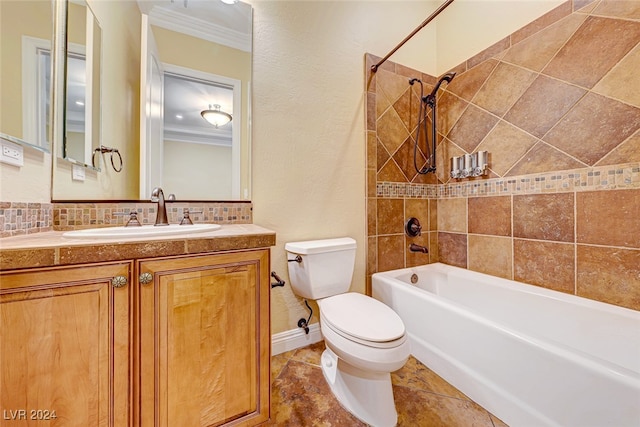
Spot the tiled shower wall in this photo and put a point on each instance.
(557, 105)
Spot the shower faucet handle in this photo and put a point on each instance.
(413, 227)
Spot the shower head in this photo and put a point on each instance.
(446, 78)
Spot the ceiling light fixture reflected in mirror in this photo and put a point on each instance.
(215, 116)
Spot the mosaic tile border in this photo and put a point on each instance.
(612, 177)
(19, 218)
(71, 216)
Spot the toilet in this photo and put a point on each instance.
(365, 339)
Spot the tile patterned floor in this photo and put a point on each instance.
(301, 397)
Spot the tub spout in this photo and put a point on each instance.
(417, 248)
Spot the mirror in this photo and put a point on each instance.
(197, 57)
(83, 85)
(26, 32)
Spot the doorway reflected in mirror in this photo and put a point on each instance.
(199, 159)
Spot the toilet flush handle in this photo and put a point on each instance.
(297, 259)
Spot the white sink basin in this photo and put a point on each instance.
(143, 231)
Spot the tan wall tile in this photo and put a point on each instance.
(452, 249)
(609, 40)
(390, 216)
(611, 275)
(390, 252)
(536, 51)
(490, 215)
(452, 215)
(544, 217)
(372, 142)
(472, 127)
(417, 258)
(544, 21)
(609, 218)
(491, 255)
(372, 216)
(614, 84)
(371, 183)
(433, 215)
(506, 145)
(547, 264)
(417, 208)
(433, 247)
(372, 255)
(503, 88)
(594, 127)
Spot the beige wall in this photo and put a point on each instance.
(308, 127)
(192, 171)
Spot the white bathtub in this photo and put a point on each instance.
(529, 355)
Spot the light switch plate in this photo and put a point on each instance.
(77, 173)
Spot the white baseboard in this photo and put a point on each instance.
(295, 338)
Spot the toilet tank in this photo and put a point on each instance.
(325, 269)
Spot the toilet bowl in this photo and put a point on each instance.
(365, 339)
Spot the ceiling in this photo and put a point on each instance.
(184, 99)
(213, 20)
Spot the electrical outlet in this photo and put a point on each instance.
(77, 173)
(12, 154)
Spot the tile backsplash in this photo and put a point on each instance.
(26, 218)
(18, 218)
(557, 105)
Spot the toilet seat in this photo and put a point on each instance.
(362, 319)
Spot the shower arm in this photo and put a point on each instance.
(435, 13)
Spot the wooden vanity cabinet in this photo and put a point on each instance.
(204, 343)
(65, 344)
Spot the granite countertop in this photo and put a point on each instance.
(52, 249)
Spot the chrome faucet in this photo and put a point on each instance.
(157, 196)
(417, 248)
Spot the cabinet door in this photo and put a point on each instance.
(65, 346)
(205, 340)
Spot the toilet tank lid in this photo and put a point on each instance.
(320, 246)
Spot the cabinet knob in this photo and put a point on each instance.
(119, 281)
(146, 278)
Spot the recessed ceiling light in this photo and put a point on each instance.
(179, 116)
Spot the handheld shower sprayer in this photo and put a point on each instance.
(429, 100)
(446, 78)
